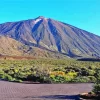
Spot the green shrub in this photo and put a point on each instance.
(82, 79)
(39, 70)
(96, 87)
(92, 78)
(18, 80)
(61, 77)
(7, 77)
(57, 77)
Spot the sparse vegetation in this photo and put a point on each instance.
(95, 93)
(48, 70)
(96, 88)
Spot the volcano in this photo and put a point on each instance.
(48, 35)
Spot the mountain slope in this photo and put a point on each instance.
(53, 35)
(11, 48)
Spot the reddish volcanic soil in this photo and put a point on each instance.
(20, 91)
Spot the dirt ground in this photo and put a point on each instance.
(20, 91)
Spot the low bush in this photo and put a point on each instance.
(62, 77)
(48, 70)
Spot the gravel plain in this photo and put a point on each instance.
(21, 91)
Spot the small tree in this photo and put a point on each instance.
(96, 87)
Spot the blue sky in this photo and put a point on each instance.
(84, 14)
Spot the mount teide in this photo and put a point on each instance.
(52, 36)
